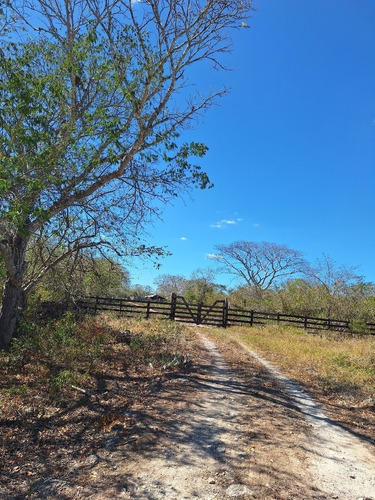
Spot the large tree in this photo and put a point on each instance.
(92, 96)
(259, 264)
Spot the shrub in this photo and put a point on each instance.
(58, 352)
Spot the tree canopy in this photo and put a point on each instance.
(260, 264)
(93, 96)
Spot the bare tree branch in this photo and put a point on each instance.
(260, 265)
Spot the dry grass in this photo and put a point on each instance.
(46, 424)
(330, 363)
(47, 359)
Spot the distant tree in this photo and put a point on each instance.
(201, 287)
(247, 297)
(334, 283)
(92, 97)
(141, 290)
(170, 283)
(260, 265)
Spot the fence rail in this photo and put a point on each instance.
(217, 314)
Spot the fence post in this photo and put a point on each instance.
(173, 306)
(148, 310)
(199, 313)
(96, 304)
(225, 313)
(251, 317)
(305, 323)
(278, 318)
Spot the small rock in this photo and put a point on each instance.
(211, 480)
(237, 490)
(91, 460)
(221, 449)
(368, 402)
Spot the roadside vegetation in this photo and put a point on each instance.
(76, 387)
(323, 289)
(53, 359)
(337, 369)
(331, 363)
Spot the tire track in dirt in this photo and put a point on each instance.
(211, 439)
(344, 466)
(226, 429)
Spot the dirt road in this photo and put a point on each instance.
(219, 433)
(225, 439)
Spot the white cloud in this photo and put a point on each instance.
(225, 222)
(183, 238)
(212, 256)
(256, 225)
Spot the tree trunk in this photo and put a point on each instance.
(13, 300)
(12, 305)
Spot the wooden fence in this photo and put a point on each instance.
(217, 314)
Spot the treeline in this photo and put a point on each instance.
(295, 296)
(270, 277)
(275, 278)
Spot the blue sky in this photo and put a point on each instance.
(291, 148)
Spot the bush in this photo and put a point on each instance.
(60, 351)
(358, 326)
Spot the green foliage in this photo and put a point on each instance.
(245, 297)
(85, 276)
(301, 297)
(358, 326)
(69, 107)
(65, 349)
(91, 112)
